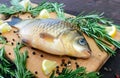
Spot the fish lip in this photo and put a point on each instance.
(87, 54)
(89, 51)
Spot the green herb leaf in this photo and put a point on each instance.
(50, 6)
(2, 40)
(14, 8)
(94, 26)
(19, 70)
(59, 10)
(118, 27)
(78, 73)
(20, 63)
(10, 10)
(5, 65)
(15, 2)
(17, 8)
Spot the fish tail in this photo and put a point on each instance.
(14, 20)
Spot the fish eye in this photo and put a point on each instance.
(82, 41)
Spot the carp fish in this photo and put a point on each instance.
(54, 36)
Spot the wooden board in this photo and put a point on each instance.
(35, 57)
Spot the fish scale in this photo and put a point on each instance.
(54, 36)
(52, 29)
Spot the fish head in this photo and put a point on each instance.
(76, 45)
(80, 45)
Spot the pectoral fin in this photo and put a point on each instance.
(47, 37)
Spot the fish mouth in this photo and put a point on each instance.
(85, 54)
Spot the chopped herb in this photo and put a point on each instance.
(59, 10)
(6, 66)
(78, 73)
(2, 40)
(91, 25)
(17, 8)
(19, 64)
(50, 6)
(118, 27)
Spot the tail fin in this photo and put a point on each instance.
(14, 20)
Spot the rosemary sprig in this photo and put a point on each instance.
(78, 73)
(20, 63)
(17, 8)
(14, 8)
(2, 40)
(91, 25)
(21, 72)
(59, 10)
(50, 6)
(118, 27)
(5, 65)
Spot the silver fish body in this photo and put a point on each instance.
(54, 36)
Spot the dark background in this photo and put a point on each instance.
(111, 9)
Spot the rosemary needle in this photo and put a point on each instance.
(50, 6)
(2, 40)
(90, 25)
(17, 8)
(19, 64)
(6, 69)
(78, 73)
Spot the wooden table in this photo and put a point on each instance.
(107, 6)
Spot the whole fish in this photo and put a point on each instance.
(54, 36)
